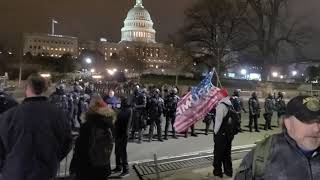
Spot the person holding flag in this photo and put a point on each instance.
(197, 103)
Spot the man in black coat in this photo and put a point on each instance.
(122, 128)
(34, 136)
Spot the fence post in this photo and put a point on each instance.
(156, 166)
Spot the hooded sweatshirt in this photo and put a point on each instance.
(221, 112)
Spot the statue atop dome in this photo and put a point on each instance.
(139, 3)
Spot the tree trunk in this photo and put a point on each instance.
(177, 79)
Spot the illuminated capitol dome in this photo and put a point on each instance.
(138, 26)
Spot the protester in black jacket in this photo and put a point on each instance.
(122, 128)
(6, 101)
(34, 136)
(93, 148)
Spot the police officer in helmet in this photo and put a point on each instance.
(171, 102)
(155, 111)
(139, 103)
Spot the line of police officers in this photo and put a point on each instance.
(148, 108)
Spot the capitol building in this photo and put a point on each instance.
(138, 36)
(138, 26)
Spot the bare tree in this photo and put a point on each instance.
(213, 29)
(180, 59)
(271, 28)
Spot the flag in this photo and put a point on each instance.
(197, 103)
(54, 21)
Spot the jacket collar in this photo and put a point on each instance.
(293, 144)
(35, 99)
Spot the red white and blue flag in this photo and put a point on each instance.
(196, 104)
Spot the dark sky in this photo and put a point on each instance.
(91, 19)
(87, 19)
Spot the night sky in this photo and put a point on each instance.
(92, 19)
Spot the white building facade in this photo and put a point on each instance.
(50, 45)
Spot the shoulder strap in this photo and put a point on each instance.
(260, 157)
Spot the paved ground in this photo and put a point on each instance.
(173, 147)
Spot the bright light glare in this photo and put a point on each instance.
(45, 75)
(126, 70)
(92, 70)
(97, 77)
(281, 77)
(88, 60)
(294, 73)
(275, 74)
(243, 71)
(255, 76)
(112, 71)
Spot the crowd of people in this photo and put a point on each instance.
(102, 121)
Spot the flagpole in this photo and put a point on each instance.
(52, 26)
(218, 79)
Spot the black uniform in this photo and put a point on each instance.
(171, 103)
(139, 102)
(122, 126)
(75, 96)
(6, 102)
(64, 103)
(281, 107)
(208, 119)
(155, 111)
(237, 104)
(269, 107)
(254, 113)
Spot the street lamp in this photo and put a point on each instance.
(275, 74)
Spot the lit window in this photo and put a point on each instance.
(64, 49)
(60, 49)
(110, 54)
(56, 49)
(52, 49)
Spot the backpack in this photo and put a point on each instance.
(233, 119)
(260, 157)
(101, 144)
